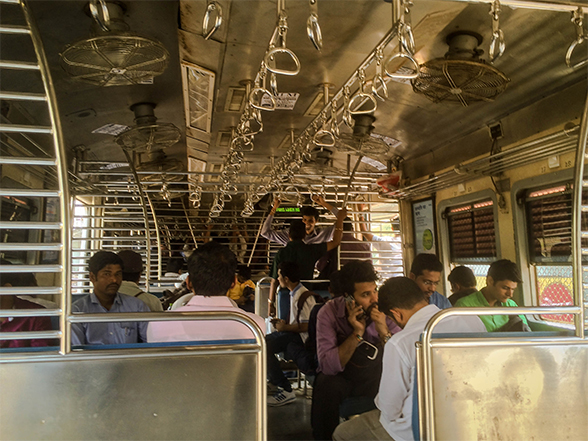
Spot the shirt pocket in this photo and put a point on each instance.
(129, 330)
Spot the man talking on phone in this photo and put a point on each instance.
(351, 333)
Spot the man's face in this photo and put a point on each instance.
(500, 290)
(428, 281)
(366, 295)
(281, 279)
(310, 222)
(107, 281)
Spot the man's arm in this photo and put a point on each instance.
(282, 326)
(338, 235)
(278, 236)
(323, 203)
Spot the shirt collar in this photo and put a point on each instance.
(94, 299)
(422, 314)
(293, 292)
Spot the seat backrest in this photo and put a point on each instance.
(181, 301)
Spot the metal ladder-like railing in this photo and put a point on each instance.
(119, 218)
(35, 151)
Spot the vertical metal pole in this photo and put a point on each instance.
(145, 216)
(188, 220)
(578, 278)
(157, 237)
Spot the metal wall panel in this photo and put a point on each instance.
(511, 392)
(193, 397)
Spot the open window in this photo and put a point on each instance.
(548, 214)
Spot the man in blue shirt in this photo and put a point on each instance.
(426, 272)
(106, 270)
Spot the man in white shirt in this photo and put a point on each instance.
(290, 336)
(212, 272)
(403, 300)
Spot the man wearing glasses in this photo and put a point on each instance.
(351, 332)
(426, 272)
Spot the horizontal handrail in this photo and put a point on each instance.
(20, 128)
(19, 65)
(29, 290)
(42, 312)
(29, 225)
(30, 192)
(17, 246)
(31, 268)
(26, 160)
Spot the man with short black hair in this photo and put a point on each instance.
(463, 283)
(350, 333)
(502, 280)
(403, 300)
(133, 267)
(310, 217)
(291, 335)
(106, 270)
(426, 272)
(211, 273)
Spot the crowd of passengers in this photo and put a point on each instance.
(359, 343)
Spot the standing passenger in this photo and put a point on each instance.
(305, 255)
(106, 269)
(426, 272)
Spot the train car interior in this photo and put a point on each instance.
(451, 127)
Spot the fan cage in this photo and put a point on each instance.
(461, 81)
(115, 60)
(149, 137)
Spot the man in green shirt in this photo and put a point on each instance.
(502, 280)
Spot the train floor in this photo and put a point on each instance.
(291, 421)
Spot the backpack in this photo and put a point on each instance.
(302, 300)
(169, 297)
(310, 343)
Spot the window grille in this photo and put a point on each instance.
(472, 236)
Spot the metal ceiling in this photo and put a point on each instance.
(543, 91)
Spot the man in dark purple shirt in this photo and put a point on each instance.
(351, 333)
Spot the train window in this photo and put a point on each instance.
(80, 242)
(472, 236)
(549, 238)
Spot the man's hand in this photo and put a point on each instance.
(379, 318)
(277, 203)
(353, 312)
(279, 324)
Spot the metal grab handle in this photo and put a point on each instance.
(581, 37)
(330, 138)
(103, 22)
(401, 76)
(570, 51)
(361, 96)
(378, 81)
(497, 45)
(313, 30)
(406, 38)
(255, 100)
(273, 84)
(212, 6)
(276, 50)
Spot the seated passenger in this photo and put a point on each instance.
(132, 269)
(350, 334)
(173, 270)
(21, 324)
(243, 292)
(408, 305)
(426, 272)
(290, 336)
(211, 273)
(106, 269)
(463, 283)
(502, 280)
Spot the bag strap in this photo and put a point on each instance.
(301, 301)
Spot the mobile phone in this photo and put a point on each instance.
(351, 302)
